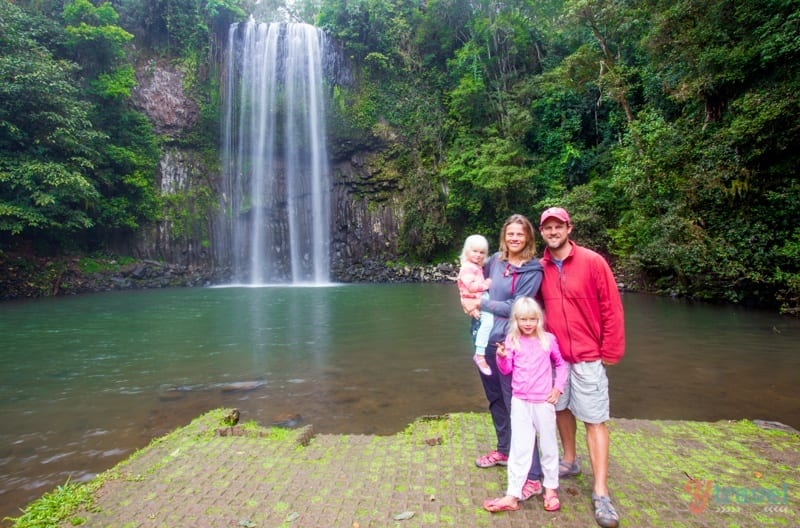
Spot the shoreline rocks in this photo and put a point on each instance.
(25, 277)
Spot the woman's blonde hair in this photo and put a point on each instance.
(529, 251)
(526, 306)
(474, 241)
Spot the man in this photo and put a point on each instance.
(583, 309)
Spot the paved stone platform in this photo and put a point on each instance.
(662, 473)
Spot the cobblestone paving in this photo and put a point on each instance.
(743, 475)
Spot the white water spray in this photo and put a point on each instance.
(276, 175)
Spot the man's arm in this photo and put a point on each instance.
(611, 314)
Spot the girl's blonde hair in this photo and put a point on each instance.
(529, 251)
(474, 241)
(526, 306)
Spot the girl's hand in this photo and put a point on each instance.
(553, 397)
(501, 350)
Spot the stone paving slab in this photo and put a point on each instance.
(743, 475)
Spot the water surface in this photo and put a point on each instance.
(85, 381)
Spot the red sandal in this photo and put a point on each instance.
(531, 488)
(492, 458)
(552, 503)
(496, 505)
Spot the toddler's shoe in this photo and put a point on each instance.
(483, 366)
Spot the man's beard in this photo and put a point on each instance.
(559, 243)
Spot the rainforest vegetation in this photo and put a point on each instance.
(670, 129)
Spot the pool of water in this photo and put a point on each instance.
(85, 381)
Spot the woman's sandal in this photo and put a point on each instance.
(494, 505)
(552, 503)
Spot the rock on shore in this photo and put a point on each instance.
(26, 277)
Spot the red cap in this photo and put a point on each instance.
(555, 212)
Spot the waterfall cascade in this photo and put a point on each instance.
(276, 177)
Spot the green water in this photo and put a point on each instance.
(85, 381)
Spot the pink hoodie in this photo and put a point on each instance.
(532, 368)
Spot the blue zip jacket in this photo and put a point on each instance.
(508, 283)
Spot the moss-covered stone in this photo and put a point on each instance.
(662, 473)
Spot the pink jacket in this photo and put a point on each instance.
(471, 283)
(583, 307)
(531, 368)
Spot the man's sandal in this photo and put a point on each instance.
(604, 512)
(565, 469)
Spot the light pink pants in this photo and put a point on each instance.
(527, 420)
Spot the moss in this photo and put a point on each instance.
(58, 504)
(643, 466)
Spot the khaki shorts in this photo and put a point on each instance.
(586, 392)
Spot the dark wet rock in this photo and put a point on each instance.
(289, 421)
(777, 426)
(378, 271)
(232, 418)
(31, 277)
(242, 386)
(26, 276)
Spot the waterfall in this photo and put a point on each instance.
(275, 200)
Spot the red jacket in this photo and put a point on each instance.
(583, 307)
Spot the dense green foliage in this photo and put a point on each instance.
(668, 128)
(76, 164)
(77, 161)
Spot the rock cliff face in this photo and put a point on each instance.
(366, 199)
(183, 177)
(182, 236)
(366, 212)
(159, 94)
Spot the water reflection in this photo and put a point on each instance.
(85, 381)
(701, 362)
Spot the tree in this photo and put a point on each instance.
(95, 40)
(46, 138)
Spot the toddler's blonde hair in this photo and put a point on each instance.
(474, 241)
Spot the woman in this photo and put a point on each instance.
(515, 272)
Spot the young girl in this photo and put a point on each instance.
(472, 285)
(529, 354)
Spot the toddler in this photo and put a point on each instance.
(472, 285)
